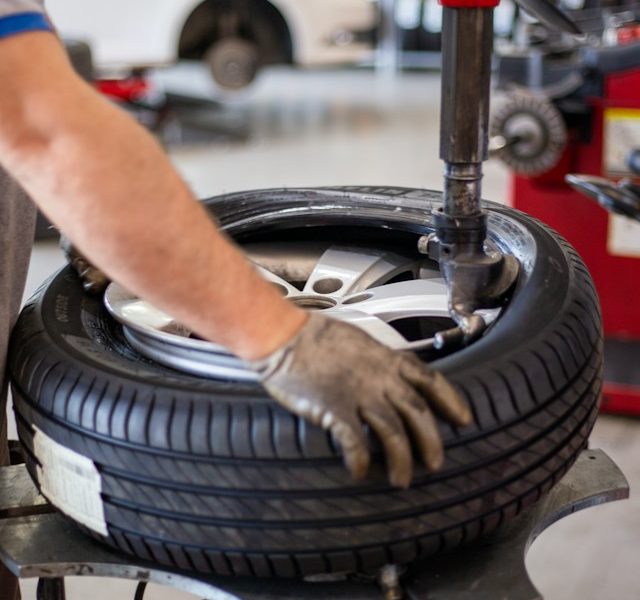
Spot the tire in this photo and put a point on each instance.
(233, 63)
(212, 476)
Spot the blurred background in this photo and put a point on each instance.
(248, 94)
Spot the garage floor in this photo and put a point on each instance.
(336, 128)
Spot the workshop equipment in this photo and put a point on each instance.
(475, 277)
(619, 198)
(576, 109)
(36, 541)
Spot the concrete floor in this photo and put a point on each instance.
(334, 128)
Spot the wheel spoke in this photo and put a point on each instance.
(405, 299)
(375, 327)
(417, 298)
(344, 271)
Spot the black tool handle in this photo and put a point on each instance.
(622, 198)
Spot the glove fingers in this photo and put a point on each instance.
(353, 442)
(93, 279)
(423, 426)
(389, 428)
(438, 391)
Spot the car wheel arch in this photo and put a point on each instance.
(198, 32)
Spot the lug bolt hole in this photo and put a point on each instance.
(328, 285)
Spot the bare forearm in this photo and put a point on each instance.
(108, 185)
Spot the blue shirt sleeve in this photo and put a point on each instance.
(23, 22)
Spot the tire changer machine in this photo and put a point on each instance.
(570, 128)
(37, 542)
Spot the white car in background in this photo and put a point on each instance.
(235, 37)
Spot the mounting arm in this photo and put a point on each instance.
(475, 277)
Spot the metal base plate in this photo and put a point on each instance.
(35, 541)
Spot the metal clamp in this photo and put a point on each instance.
(476, 278)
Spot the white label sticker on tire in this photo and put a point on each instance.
(70, 481)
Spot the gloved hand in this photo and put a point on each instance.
(337, 376)
(94, 281)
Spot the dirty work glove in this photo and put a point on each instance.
(94, 281)
(337, 376)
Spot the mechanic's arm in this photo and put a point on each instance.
(107, 184)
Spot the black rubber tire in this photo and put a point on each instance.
(212, 476)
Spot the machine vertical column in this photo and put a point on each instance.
(464, 125)
(474, 277)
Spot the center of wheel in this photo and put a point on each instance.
(314, 302)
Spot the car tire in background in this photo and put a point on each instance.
(236, 39)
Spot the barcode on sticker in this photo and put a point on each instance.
(70, 481)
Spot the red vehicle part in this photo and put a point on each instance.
(125, 90)
(628, 34)
(610, 245)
